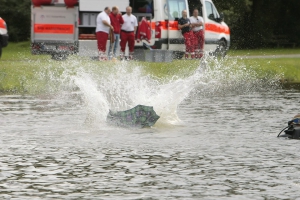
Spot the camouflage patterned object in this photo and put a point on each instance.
(139, 116)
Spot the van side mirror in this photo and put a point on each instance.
(221, 17)
(211, 17)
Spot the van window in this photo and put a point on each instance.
(216, 14)
(175, 8)
(142, 6)
(211, 11)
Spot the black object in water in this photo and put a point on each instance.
(292, 131)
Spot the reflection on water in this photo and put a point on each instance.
(226, 148)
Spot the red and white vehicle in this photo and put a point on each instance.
(165, 17)
(68, 26)
(54, 28)
(3, 35)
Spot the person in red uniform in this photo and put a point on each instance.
(185, 25)
(102, 31)
(128, 30)
(197, 24)
(117, 21)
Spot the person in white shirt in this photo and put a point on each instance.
(102, 31)
(128, 30)
(197, 24)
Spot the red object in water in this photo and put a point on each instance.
(41, 2)
(71, 3)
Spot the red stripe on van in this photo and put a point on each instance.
(54, 28)
(173, 25)
(216, 28)
(153, 25)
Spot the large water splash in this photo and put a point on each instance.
(123, 85)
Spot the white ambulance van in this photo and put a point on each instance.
(3, 35)
(61, 29)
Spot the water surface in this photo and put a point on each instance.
(224, 148)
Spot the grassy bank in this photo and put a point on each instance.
(263, 52)
(21, 72)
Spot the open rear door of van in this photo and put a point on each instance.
(174, 10)
(54, 30)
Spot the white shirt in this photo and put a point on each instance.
(129, 22)
(100, 26)
(197, 20)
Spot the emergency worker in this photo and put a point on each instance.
(102, 31)
(116, 21)
(197, 24)
(128, 30)
(184, 24)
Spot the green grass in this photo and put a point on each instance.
(17, 51)
(289, 67)
(21, 72)
(263, 52)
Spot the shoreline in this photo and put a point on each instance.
(21, 72)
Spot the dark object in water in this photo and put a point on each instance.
(139, 116)
(292, 131)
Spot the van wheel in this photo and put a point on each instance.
(59, 56)
(221, 49)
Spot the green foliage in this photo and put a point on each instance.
(263, 52)
(16, 13)
(254, 22)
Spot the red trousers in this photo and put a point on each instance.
(189, 42)
(199, 40)
(127, 37)
(101, 41)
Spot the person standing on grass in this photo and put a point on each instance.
(184, 24)
(116, 21)
(102, 31)
(128, 30)
(197, 24)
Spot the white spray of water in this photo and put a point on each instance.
(124, 88)
(121, 86)
(95, 102)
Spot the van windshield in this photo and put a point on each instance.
(195, 4)
(175, 7)
(211, 12)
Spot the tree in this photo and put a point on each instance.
(16, 14)
(254, 22)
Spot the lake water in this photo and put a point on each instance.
(213, 141)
